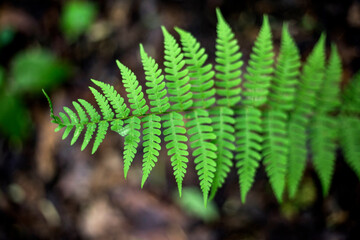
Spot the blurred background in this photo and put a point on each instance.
(49, 190)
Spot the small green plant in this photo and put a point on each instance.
(76, 18)
(30, 70)
(207, 111)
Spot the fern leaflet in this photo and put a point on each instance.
(324, 125)
(180, 99)
(228, 63)
(248, 122)
(199, 123)
(305, 99)
(159, 104)
(138, 104)
(281, 98)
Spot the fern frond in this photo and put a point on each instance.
(248, 123)
(228, 64)
(223, 122)
(201, 75)
(281, 97)
(159, 104)
(324, 126)
(275, 149)
(116, 101)
(180, 97)
(248, 143)
(199, 123)
(103, 104)
(107, 113)
(131, 143)
(287, 70)
(139, 108)
(151, 144)
(176, 75)
(134, 90)
(155, 82)
(91, 126)
(260, 67)
(227, 81)
(176, 144)
(305, 100)
(204, 151)
(81, 124)
(71, 123)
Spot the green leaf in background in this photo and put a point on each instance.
(76, 18)
(34, 69)
(6, 36)
(192, 203)
(14, 117)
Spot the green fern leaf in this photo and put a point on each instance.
(199, 123)
(176, 145)
(281, 98)
(159, 104)
(180, 98)
(154, 81)
(258, 78)
(116, 101)
(91, 127)
(200, 74)
(101, 132)
(70, 123)
(151, 144)
(138, 104)
(103, 104)
(80, 125)
(177, 76)
(134, 90)
(223, 122)
(305, 100)
(248, 127)
(275, 149)
(107, 113)
(227, 81)
(204, 151)
(132, 140)
(324, 125)
(260, 68)
(228, 59)
(285, 80)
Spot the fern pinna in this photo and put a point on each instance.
(280, 103)
(248, 123)
(227, 80)
(204, 110)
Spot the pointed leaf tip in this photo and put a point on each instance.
(219, 15)
(119, 64)
(141, 48)
(179, 30)
(163, 29)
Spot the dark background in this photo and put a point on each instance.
(49, 190)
